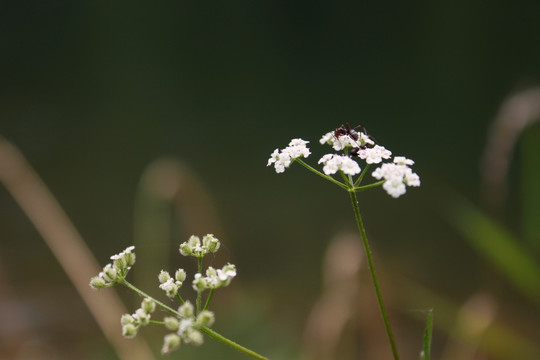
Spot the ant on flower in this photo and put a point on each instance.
(353, 134)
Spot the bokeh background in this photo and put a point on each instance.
(95, 94)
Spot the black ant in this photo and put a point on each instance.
(347, 130)
(353, 134)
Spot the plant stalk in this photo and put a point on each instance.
(205, 330)
(369, 257)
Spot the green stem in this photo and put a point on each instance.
(208, 299)
(205, 330)
(369, 256)
(329, 178)
(145, 295)
(367, 187)
(232, 344)
(155, 322)
(362, 174)
(199, 293)
(180, 298)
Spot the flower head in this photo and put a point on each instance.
(186, 327)
(214, 278)
(375, 154)
(397, 176)
(333, 162)
(196, 248)
(114, 272)
(283, 159)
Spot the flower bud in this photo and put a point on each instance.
(194, 241)
(185, 249)
(171, 323)
(127, 319)
(129, 331)
(186, 310)
(110, 273)
(170, 343)
(142, 317)
(148, 305)
(205, 318)
(163, 276)
(199, 283)
(211, 243)
(97, 283)
(180, 275)
(195, 337)
(129, 257)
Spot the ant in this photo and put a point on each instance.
(346, 130)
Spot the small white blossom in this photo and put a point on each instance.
(170, 287)
(375, 154)
(327, 138)
(297, 148)
(125, 259)
(397, 175)
(333, 163)
(280, 160)
(402, 160)
(283, 159)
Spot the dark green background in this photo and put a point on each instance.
(92, 92)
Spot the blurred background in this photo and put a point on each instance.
(152, 121)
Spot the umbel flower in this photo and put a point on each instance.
(352, 145)
(189, 322)
(113, 273)
(186, 327)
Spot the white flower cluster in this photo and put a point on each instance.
(116, 271)
(396, 176)
(341, 142)
(282, 159)
(171, 285)
(354, 144)
(333, 162)
(186, 327)
(197, 248)
(214, 278)
(141, 317)
(375, 154)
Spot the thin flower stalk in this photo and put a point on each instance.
(351, 145)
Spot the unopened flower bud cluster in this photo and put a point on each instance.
(197, 248)
(141, 317)
(214, 278)
(186, 327)
(171, 285)
(397, 174)
(114, 272)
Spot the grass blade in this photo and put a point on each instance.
(426, 350)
